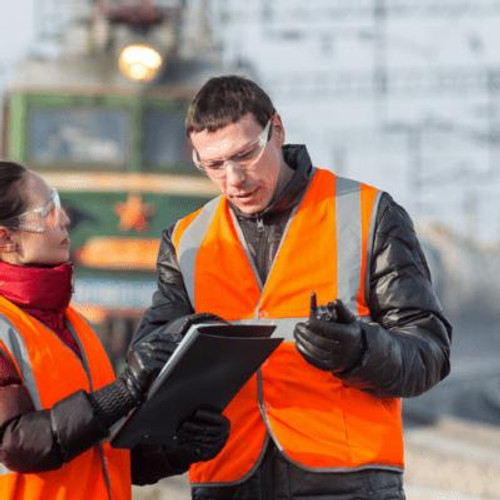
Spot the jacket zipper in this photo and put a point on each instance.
(262, 250)
(260, 225)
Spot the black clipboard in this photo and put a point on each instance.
(210, 365)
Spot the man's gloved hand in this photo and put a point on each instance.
(201, 437)
(144, 361)
(333, 343)
(176, 329)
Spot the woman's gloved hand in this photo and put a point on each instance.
(201, 437)
(334, 342)
(146, 358)
(144, 362)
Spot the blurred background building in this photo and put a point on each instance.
(399, 93)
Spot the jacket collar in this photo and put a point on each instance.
(37, 288)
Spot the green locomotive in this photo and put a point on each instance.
(112, 143)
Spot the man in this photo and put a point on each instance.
(322, 418)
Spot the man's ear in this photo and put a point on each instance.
(7, 245)
(278, 129)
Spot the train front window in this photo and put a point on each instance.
(166, 147)
(71, 137)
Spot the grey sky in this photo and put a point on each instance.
(17, 30)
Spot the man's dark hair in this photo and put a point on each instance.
(224, 100)
(12, 176)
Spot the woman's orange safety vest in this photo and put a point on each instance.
(51, 371)
(318, 422)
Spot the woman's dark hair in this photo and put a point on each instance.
(11, 183)
(224, 100)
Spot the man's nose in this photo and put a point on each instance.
(235, 173)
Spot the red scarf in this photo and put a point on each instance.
(42, 292)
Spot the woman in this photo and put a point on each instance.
(58, 393)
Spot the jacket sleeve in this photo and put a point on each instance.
(407, 346)
(40, 440)
(34, 440)
(170, 300)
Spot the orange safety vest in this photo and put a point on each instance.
(316, 420)
(50, 370)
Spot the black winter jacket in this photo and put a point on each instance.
(408, 347)
(408, 342)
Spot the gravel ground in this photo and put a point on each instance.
(453, 460)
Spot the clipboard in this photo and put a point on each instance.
(208, 368)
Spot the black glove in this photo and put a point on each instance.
(199, 438)
(334, 342)
(176, 329)
(144, 361)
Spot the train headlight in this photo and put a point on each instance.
(139, 62)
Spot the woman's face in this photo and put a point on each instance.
(48, 247)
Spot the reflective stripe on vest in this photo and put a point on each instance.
(316, 421)
(284, 326)
(13, 343)
(51, 371)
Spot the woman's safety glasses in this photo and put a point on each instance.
(246, 159)
(39, 219)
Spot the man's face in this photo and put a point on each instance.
(245, 170)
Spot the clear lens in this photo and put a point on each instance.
(246, 159)
(39, 219)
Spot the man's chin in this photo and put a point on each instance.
(248, 205)
(248, 209)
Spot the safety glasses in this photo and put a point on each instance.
(39, 219)
(246, 159)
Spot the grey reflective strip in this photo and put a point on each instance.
(17, 348)
(369, 248)
(4, 471)
(284, 326)
(244, 244)
(370, 466)
(243, 478)
(83, 359)
(190, 243)
(105, 472)
(349, 238)
(262, 409)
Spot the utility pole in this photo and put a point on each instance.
(415, 166)
(380, 73)
(493, 87)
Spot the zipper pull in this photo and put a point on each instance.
(260, 225)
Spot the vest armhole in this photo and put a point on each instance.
(181, 225)
(7, 330)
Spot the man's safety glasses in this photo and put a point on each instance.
(39, 219)
(246, 159)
